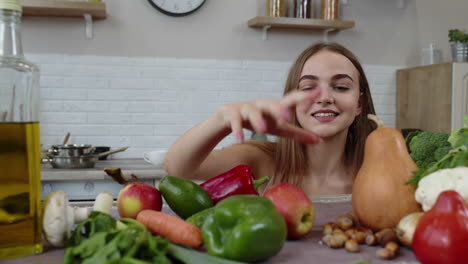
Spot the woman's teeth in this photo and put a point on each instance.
(324, 114)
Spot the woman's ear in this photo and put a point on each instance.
(359, 107)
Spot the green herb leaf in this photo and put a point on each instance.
(455, 158)
(96, 222)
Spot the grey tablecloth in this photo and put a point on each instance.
(310, 250)
(306, 250)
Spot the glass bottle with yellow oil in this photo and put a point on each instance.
(276, 8)
(20, 181)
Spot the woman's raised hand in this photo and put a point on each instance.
(269, 116)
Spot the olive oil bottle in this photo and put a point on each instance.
(20, 181)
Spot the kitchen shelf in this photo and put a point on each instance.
(61, 8)
(266, 23)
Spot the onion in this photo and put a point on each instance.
(406, 227)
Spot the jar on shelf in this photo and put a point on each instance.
(276, 8)
(303, 8)
(330, 9)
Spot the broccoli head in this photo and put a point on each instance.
(441, 152)
(426, 147)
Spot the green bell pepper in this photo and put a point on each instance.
(244, 228)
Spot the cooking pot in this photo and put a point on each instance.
(60, 161)
(71, 150)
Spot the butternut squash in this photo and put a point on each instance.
(380, 195)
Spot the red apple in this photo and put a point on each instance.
(137, 196)
(295, 206)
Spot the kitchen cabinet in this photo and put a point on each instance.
(85, 190)
(433, 97)
(85, 184)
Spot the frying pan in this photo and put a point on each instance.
(88, 160)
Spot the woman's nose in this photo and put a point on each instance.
(326, 97)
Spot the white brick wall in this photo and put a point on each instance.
(146, 103)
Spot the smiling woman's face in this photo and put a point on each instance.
(338, 104)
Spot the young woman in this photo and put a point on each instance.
(321, 125)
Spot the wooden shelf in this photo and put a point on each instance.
(61, 8)
(299, 23)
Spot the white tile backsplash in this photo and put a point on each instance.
(146, 103)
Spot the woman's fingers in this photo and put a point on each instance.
(290, 100)
(254, 116)
(270, 108)
(293, 98)
(270, 116)
(236, 126)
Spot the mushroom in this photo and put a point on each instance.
(59, 217)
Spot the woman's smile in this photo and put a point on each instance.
(325, 116)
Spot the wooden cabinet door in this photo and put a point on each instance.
(424, 98)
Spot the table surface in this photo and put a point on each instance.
(306, 250)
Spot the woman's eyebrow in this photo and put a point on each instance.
(341, 76)
(334, 78)
(308, 77)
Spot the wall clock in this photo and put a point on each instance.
(177, 7)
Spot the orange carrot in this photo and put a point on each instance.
(171, 227)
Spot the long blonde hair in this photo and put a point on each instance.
(290, 156)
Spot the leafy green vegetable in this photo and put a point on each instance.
(104, 240)
(410, 136)
(456, 157)
(96, 222)
(426, 148)
(459, 137)
(99, 241)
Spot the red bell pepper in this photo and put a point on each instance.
(238, 180)
(441, 235)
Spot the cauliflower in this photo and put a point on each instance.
(433, 184)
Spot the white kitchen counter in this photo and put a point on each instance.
(85, 184)
(139, 167)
